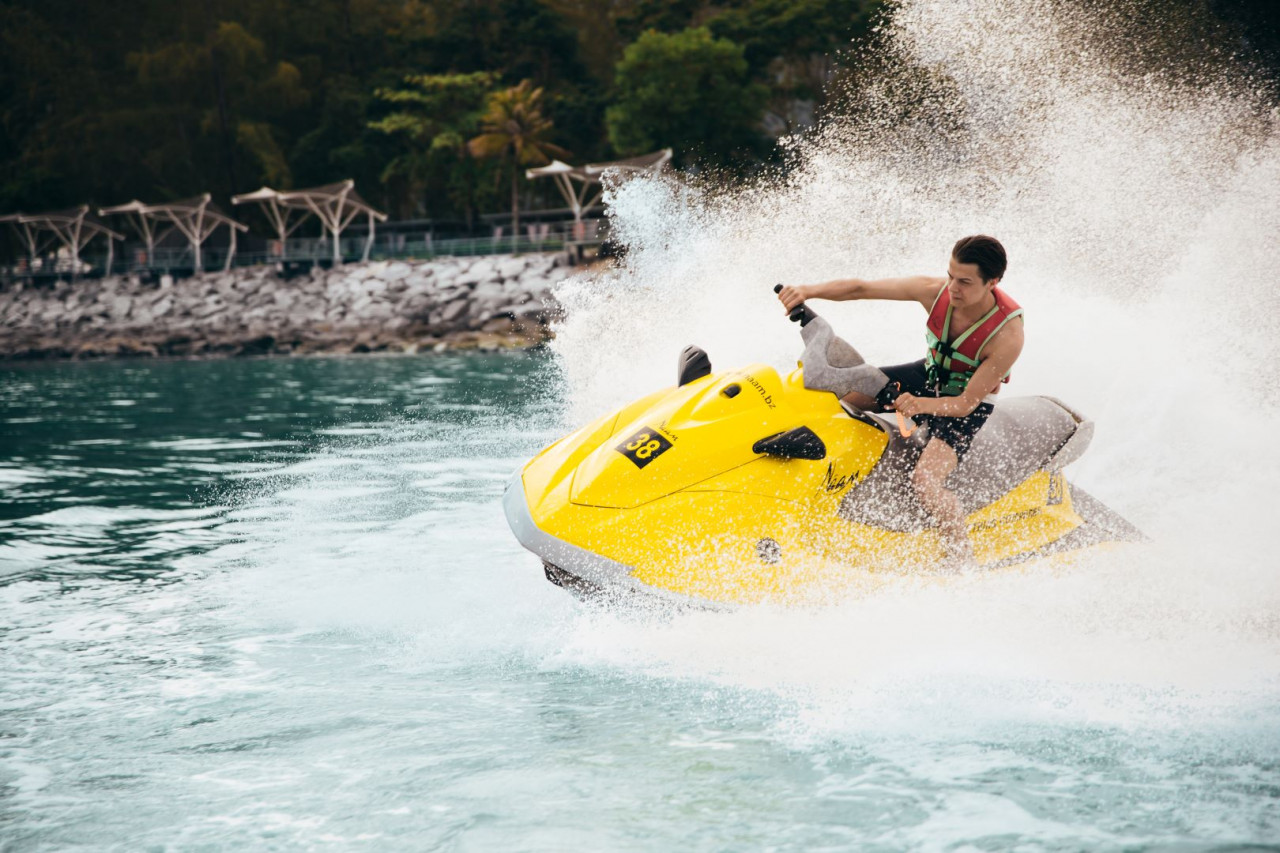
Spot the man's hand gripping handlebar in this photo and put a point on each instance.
(803, 314)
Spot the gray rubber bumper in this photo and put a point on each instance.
(832, 364)
(607, 574)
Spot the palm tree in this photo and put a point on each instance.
(515, 129)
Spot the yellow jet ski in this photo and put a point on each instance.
(746, 486)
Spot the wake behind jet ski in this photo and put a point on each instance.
(746, 486)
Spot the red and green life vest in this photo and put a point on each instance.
(951, 364)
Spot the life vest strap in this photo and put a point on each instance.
(948, 369)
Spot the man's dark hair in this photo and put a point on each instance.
(984, 251)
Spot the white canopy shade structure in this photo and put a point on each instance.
(335, 205)
(281, 215)
(72, 228)
(143, 223)
(196, 218)
(589, 175)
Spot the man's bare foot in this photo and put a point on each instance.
(957, 559)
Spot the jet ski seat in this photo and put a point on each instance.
(1022, 436)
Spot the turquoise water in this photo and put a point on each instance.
(273, 604)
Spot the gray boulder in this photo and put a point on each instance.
(395, 271)
(512, 267)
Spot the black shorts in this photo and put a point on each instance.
(958, 433)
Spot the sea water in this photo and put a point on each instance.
(273, 604)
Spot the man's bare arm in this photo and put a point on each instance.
(998, 357)
(917, 288)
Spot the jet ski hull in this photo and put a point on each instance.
(678, 498)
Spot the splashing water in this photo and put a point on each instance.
(1138, 208)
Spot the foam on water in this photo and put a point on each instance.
(1137, 198)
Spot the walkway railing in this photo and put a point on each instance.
(305, 251)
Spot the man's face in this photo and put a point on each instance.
(965, 284)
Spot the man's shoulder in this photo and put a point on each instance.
(1006, 300)
(1010, 334)
(927, 289)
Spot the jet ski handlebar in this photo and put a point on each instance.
(801, 314)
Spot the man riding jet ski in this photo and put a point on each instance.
(745, 486)
(974, 337)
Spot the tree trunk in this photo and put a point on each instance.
(350, 37)
(220, 93)
(470, 191)
(515, 204)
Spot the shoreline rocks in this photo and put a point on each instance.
(487, 302)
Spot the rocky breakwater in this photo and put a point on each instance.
(488, 303)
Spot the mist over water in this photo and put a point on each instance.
(1138, 205)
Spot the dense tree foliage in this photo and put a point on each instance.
(436, 114)
(101, 103)
(689, 91)
(164, 100)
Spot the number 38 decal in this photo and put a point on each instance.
(644, 447)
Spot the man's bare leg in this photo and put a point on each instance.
(861, 401)
(929, 479)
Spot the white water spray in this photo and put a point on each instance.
(1139, 208)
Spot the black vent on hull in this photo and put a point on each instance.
(798, 443)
